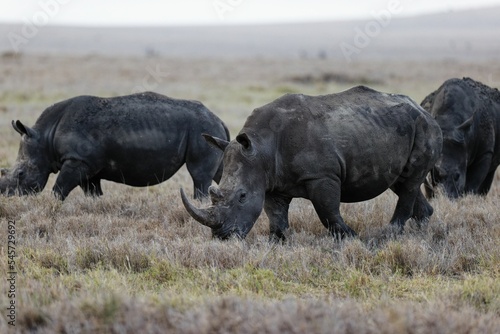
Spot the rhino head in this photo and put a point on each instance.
(32, 168)
(450, 170)
(238, 200)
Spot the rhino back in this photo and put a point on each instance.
(456, 100)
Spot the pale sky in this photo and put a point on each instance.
(214, 12)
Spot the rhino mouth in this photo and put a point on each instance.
(228, 231)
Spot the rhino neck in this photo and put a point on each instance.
(48, 139)
(273, 161)
(274, 172)
(47, 124)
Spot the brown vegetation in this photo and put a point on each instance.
(134, 261)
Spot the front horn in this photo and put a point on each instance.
(207, 217)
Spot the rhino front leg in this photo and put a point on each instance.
(486, 185)
(325, 196)
(276, 208)
(478, 174)
(92, 187)
(73, 173)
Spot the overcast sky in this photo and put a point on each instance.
(201, 12)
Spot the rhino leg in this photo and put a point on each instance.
(325, 197)
(406, 202)
(92, 187)
(422, 210)
(477, 175)
(276, 208)
(202, 177)
(486, 185)
(72, 174)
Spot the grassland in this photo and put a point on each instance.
(134, 261)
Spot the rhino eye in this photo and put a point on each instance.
(243, 197)
(20, 174)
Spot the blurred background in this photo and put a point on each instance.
(354, 30)
(236, 55)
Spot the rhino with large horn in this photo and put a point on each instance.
(344, 147)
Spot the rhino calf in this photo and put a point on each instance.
(345, 147)
(468, 113)
(139, 140)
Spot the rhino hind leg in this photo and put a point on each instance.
(71, 175)
(202, 176)
(411, 203)
(422, 210)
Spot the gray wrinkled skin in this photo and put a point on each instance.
(344, 147)
(468, 113)
(138, 140)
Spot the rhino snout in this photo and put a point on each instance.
(228, 231)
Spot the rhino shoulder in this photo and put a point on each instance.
(54, 113)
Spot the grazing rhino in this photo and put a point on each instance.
(138, 140)
(468, 113)
(344, 147)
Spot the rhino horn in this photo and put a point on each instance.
(207, 217)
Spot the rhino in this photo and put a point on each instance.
(468, 113)
(344, 147)
(138, 140)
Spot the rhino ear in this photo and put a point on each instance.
(22, 129)
(243, 139)
(216, 142)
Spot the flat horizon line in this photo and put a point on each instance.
(250, 24)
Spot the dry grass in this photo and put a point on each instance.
(134, 261)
